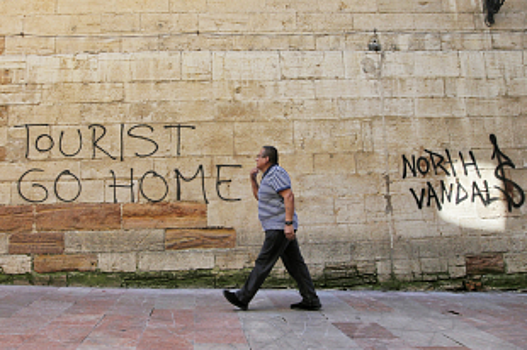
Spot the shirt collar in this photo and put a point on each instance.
(272, 166)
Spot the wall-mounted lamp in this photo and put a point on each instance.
(491, 7)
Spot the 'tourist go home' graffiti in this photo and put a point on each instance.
(43, 142)
(455, 192)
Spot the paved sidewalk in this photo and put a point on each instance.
(89, 318)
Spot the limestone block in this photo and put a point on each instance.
(409, 6)
(62, 25)
(246, 66)
(4, 243)
(334, 163)
(131, 44)
(233, 6)
(64, 68)
(440, 107)
(204, 238)
(384, 22)
(507, 40)
(111, 6)
(83, 217)
(176, 91)
(312, 210)
(17, 94)
(350, 210)
(434, 265)
(250, 137)
(235, 259)
(114, 68)
(444, 22)
(23, 7)
(176, 261)
(517, 87)
(210, 139)
(164, 215)
(347, 88)
(85, 93)
(114, 241)
(65, 262)
(515, 262)
(413, 87)
(327, 253)
(28, 45)
(117, 262)
(353, 6)
(328, 136)
(120, 23)
(10, 24)
(36, 243)
(90, 44)
(325, 22)
(415, 229)
(504, 64)
(311, 65)
(440, 64)
(161, 66)
(359, 108)
(466, 41)
(197, 65)
(178, 6)
(472, 64)
(477, 88)
(275, 42)
(247, 22)
(15, 264)
(16, 218)
(5, 194)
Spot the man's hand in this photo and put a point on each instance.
(253, 173)
(289, 232)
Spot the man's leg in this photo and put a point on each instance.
(297, 268)
(274, 245)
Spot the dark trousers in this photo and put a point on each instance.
(275, 246)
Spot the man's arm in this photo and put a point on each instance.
(289, 203)
(254, 183)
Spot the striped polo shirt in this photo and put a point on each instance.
(271, 208)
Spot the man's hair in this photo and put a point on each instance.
(272, 153)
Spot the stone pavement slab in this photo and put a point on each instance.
(90, 318)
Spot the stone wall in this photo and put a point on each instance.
(408, 159)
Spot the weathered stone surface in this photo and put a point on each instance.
(65, 262)
(176, 260)
(114, 241)
(486, 263)
(36, 243)
(164, 215)
(84, 217)
(117, 262)
(15, 264)
(16, 218)
(204, 238)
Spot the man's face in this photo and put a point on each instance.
(261, 159)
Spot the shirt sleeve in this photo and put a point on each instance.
(280, 180)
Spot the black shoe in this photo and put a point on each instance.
(233, 299)
(303, 305)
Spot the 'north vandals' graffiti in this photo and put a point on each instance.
(434, 163)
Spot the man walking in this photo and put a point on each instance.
(276, 211)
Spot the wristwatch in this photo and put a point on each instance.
(289, 223)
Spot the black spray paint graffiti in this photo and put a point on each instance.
(44, 142)
(436, 164)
